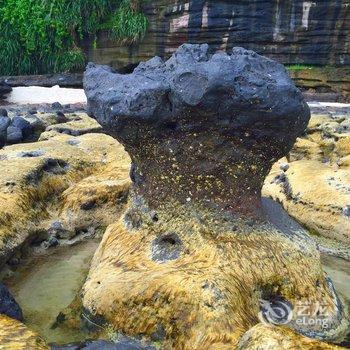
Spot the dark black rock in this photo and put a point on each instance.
(14, 134)
(36, 123)
(3, 112)
(159, 93)
(5, 121)
(4, 89)
(33, 111)
(88, 205)
(242, 111)
(8, 305)
(61, 118)
(56, 106)
(23, 125)
(3, 139)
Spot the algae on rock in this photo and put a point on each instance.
(14, 335)
(194, 254)
(46, 182)
(315, 189)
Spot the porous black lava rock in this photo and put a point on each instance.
(4, 89)
(4, 124)
(23, 125)
(8, 305)
(212, 123)
(14, 135)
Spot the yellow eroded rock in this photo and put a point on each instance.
(316, 194)
(78, 124)
(196, 277)
(266, 337)
(315, 189)
(14, 335)
(39, 182)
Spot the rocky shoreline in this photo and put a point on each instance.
(64, 181)
(315, 83)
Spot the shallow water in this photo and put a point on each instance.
(339, 271)
(45, 285)
(37, 94)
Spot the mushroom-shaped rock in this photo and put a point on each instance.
(209, 126)
(195, 255)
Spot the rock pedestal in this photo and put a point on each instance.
(194, 260)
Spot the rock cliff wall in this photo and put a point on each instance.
(291, 31)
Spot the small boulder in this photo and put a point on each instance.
(33, 111)
(56, 106)
(14, 134)
(36, 123)
(8, 305)
(4, 89)
(23, 125)
(4, 123)
(61, 118)
(3, 112)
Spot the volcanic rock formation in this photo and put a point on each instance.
(195, 255)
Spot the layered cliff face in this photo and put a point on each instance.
(291, 31)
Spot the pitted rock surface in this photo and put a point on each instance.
(213, 124)
(195, 252)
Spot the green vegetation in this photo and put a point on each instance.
(128, 23)
(44, 36)
(299, 66)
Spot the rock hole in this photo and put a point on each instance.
(31, 154)
(166, 247)
(55, 166)
(128, 69)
